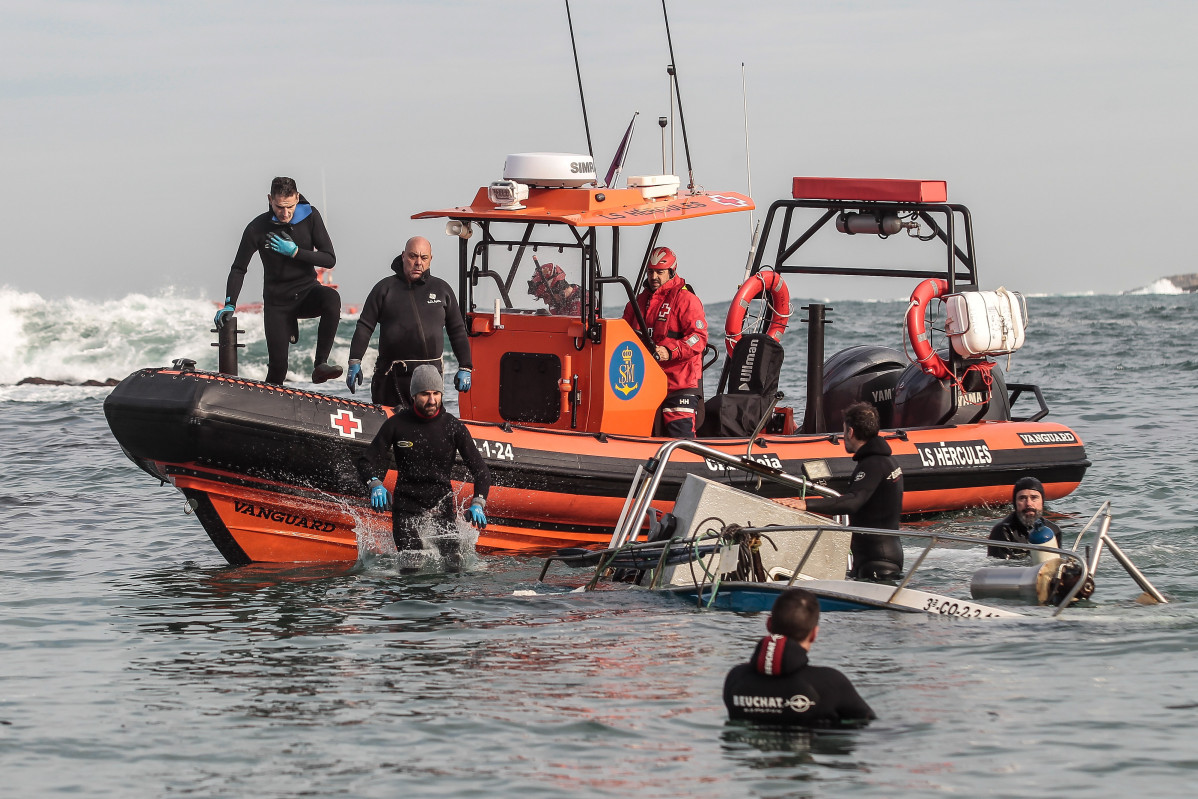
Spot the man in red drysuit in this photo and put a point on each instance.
(678, 329)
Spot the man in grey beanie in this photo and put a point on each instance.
(1028, 515)
(424, 439)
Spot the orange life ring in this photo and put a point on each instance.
(917, 333)
(767, 280)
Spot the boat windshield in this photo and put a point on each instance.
(553, 268)
(541, 278)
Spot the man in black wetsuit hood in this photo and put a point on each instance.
(1026, 517)
(291, 240)
(778, 686)
(412, 308)
(874, 497)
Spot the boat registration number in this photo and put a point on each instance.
(964, 610)
(496, 450)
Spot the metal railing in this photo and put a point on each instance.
(1103, 537)
(648, 476)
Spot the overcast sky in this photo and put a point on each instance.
(138, 138)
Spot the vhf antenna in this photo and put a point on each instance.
(690, 172)
(577, 71)
(748, 165)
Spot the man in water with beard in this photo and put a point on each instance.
(778, 686)
(291, 240)
(424, 439)
(1026, 518)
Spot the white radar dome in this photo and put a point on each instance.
(550, 170)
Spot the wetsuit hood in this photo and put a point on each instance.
(874, 446)
(303, 209)
(777, 655)
(397, 268)
(1027, 484)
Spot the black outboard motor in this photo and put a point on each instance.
(863, 373)
(921, 400)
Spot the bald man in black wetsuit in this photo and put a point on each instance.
(413, 310)
(874, 497)
(291, 240)
(779, 686)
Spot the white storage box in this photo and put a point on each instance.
(980, 323)
(654, 186)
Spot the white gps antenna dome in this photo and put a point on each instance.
(550, 170)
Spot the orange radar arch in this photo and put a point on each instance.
(767, 281)
(921, 343)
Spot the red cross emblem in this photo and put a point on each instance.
(348, 425)
(723, 199)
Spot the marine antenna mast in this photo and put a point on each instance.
(578, 72)
(690, 172)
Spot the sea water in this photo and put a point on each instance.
(135, 662)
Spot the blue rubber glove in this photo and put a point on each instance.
(379, 499)
(281, 245)
(475, 512)
(228, 310)
(353, 378)
(461, 381)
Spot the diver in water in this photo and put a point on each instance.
(291, 240)
(1023, 521)
(874, 497)
(779, 686)
(413, 310)
(424, 439)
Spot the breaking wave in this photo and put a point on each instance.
(75, 340)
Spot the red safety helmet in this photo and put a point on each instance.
(663, 258)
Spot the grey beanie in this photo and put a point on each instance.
(426, 378)
(1025, 484)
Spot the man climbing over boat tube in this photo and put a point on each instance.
(411, 309)
(678, 330)
(778, 686)
(1026, 522)
(291, 240)
(874, 497)
(424, 439)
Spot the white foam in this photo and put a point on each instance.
(74, 340)
(1162, 286)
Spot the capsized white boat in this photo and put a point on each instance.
(733, 550)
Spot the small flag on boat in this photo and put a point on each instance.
(617, 163)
